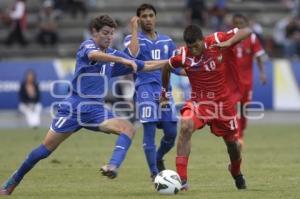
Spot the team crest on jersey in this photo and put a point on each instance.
(166, 49)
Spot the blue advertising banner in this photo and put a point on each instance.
(282, 91)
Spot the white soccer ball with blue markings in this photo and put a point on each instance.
(167, 182)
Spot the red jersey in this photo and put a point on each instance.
(244, 52)
(211, 73)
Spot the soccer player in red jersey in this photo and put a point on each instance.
(208, 62)
(245, 52)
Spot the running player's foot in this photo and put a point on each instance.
(109, 171)
(160, 165)
(8, 187)
(152, 177)
(184, 186)
(240, 182)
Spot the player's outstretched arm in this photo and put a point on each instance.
(104, 57)
(154, 65)
(165, 77)
(261, 67)
(239, 36)
(133, 46)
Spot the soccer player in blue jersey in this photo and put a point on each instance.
(151, 45)
(95, 64)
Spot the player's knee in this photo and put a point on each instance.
(187, 126)
(171, 132)
(129, 130)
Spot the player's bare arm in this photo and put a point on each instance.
(239, 36)
(165, 75)
(101, 56)
(261, 67)
(134, 42)
(154, 65)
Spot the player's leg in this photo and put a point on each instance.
(190, 121)
(126, 131)
(166, 143)
(184, 148)
(147, 107)
(50, 143)
(247, 96)
(150, 147)
(234, 151)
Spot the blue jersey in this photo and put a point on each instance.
(148, 84)
(160, 48)
(85, 107)
(91, 77)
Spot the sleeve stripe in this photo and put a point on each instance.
(235, 30)
(259, 53)
(171, 64)
(126, 44)
(216, 37)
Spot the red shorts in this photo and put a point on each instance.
(222, 120)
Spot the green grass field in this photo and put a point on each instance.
(271, 166)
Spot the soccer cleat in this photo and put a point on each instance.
(184, 186)
(240, 182)
(160, 165)
(8, 187)
(152, 177)
(109, 171)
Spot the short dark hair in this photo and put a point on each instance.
(144, 7)
(101, 21)
(192, 33)
(239, 15)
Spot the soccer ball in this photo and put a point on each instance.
(167, 182)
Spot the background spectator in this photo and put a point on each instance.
(218, 13)
(30, 100)
(76, 6)
(18, 19)
(292, 47)
(47, 34)
(196, 12)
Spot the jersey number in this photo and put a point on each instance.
(146, 112)
(233, 124)
(155, 54)
(211, 66)
(102, 71)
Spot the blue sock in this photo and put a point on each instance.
(149, 146)
(121, 147)
(168, 140)
(36, 155)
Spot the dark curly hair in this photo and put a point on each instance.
(192, 33)
(101, 21)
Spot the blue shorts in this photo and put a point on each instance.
(74, 114)
(147, 105)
